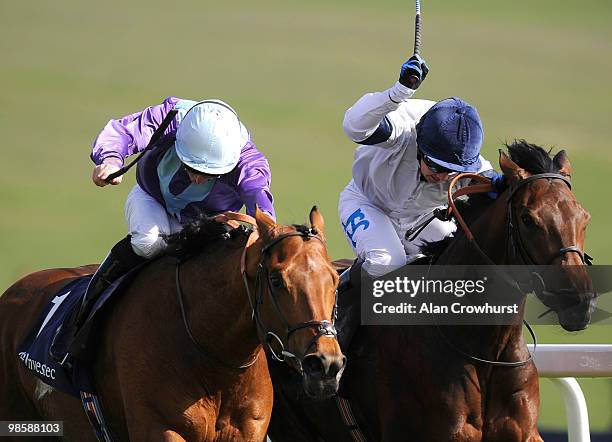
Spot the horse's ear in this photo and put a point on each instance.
(510, 169)
(265, 224)
(317, 222)
(562, 163)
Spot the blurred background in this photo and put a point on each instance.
(535, 70)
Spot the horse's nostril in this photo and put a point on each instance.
(313, 365)
(323, 366)
(336, 366)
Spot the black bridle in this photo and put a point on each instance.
(514, 237)
(518, 245)
(514, 233)
(323, 328)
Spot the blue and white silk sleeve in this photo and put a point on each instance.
(366, 123)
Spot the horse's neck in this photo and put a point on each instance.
(220, 314)
(490, 232)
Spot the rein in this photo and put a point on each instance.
(513, 231)
(324, 328)
(203, 352)
(483, 187)
(230, 218)
(514, 237)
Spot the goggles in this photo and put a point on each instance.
(434, 167)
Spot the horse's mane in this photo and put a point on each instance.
(196, 235)
(202, 232)
(533, 158)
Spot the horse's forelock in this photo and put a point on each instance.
(531, 157)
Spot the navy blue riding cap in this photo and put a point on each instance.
(450, 134)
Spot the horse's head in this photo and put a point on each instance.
(547, 226)
(295, 296)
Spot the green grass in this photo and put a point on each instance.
(536, 70)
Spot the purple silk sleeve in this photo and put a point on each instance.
(131, 134)
(254, 181)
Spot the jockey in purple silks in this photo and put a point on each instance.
(205, 163)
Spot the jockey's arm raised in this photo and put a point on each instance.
(377, 118)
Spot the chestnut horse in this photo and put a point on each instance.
(192, 367)
(463, 383)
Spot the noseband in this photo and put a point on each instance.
(323, 328)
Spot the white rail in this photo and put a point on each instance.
(564, 362)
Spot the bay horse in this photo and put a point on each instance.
(191, 367)
(462, 383)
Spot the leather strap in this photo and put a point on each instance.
(485, 186)
(227, 217)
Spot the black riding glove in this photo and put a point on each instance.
(413, 72)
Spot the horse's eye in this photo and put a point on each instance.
(276, 281)
(528, 220)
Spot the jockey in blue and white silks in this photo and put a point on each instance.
(408, 150)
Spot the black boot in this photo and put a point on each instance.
(119, 261)
(349, 305)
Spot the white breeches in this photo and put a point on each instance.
(147, 220)
(377, 238)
